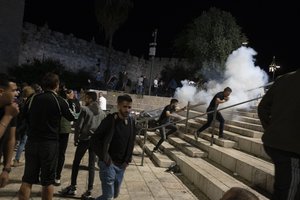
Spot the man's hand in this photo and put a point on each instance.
(124, 165)
(226, 98)
(107, 160)
(12, 110)
(4, 179)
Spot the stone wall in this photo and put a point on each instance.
(11, 17)
(76, 54)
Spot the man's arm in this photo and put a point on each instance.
(219, 101)
(10, 112)
(8, 154)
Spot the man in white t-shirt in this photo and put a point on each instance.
(102, 101)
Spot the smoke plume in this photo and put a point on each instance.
(241, 75)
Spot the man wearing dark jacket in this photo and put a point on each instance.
(279, 115)
(44, 112)
(89, 119)
(117, 135)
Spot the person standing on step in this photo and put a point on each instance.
(279, 115)
(89, 119)
(165, 119)
(219, 98)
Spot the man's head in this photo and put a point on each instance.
(124, 105)
(70, 94)
(237, 193)
(173, 103)
(100, 94)
(90, 97)
(227, 91)
(8, 90)
(50, 82)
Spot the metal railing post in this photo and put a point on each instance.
(187, 117)
(213, 127)
(144, 145)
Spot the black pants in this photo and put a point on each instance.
(63, 143)
(287, 174)
(210, 118)
(163, 135)
(82, 147)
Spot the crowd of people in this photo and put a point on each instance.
(41, 118)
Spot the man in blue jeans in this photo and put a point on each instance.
(117, 134)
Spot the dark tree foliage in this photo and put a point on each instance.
(34, 71)
(210, 39)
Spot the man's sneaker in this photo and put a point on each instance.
(69, 191)
(196, 135)
(221, 137)
(56, 182)
(87, 195)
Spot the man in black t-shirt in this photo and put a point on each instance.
(165, 118)
(220, 97)
(8, 111)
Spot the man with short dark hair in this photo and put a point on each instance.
(219, 98)
(8, 111)
(8, 108)
(89, 119)
(165, 118)
(117, 134)
(44, 113)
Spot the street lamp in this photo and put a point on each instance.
(152, 51)
(273, 67)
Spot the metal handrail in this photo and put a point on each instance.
(181, 120)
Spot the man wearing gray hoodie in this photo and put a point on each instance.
(89, 119)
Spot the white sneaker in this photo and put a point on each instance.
(57, 182)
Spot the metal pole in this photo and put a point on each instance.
(187, 117)
(144, 145)
(152, 53)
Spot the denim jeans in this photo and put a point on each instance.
(111, 178)
(21, 147)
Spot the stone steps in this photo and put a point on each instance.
(247, 125)
(212, 181)
(228, 127)
(253, 146)
(160, 159)
(258, 172)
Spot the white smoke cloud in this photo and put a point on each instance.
(241, 75)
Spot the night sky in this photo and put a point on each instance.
(270, 26)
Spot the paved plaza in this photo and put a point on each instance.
(140, 183)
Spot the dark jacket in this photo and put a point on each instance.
(279, 112)
(44, 112)
(100, 141)
(89, 119)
